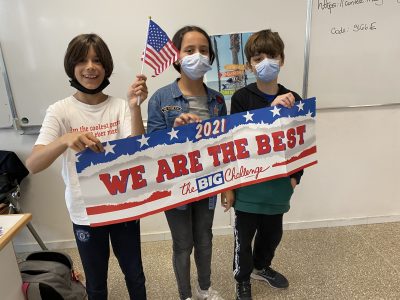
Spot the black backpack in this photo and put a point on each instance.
(12, 171)
(48, 275)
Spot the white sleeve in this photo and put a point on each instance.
(126, 122)
(51, 127)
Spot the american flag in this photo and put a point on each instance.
(160, 51)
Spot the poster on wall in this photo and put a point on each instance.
(228, 72)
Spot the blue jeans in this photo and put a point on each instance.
(191, 228)
(94, 249)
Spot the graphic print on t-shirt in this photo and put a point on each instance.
(99, 130)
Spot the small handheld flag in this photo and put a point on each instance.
(160, 52)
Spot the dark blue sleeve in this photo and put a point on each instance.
(155, 117)
(236, 105)
(224, 111)
(297, 176)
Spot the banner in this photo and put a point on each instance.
(143, 175)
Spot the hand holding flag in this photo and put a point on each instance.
(137, 91)
(159, 52)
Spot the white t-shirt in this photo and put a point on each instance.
(108, 120)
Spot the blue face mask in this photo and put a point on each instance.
(195, 65)
(267, 70)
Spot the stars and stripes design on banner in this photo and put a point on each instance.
(143, 175)
(160, 52)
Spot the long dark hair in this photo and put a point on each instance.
(178, 37)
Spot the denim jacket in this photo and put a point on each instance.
(168, 102)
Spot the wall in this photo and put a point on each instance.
(35, 35)
(355, 181)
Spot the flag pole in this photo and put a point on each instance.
(144, 55)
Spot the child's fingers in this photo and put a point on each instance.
(291, 99)
(140, 90)
(227, 205)
(224, 204)
(183, 119)
(96, 141)
(186, 119)
(193, 118)
(140, 83)
(97, 147)
(178, 122)
(90, 141)
(78, 146)
(288, 100)
(141, 77)
(227, 200)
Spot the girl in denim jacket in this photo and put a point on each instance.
(184, 101)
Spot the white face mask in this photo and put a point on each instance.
(268, 69)
(195, 65)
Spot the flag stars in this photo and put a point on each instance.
(300, 106)
(157, 37)
(109, 148)
(173, 134)
(248, 116)
(143, 141)
(276, 111)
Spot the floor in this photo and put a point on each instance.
(353, 262)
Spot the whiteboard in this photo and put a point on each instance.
(5, 111)
(35, 34)
(355, 52)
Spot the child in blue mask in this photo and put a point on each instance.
(70, 126)
(259, 208)
(188, 100)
